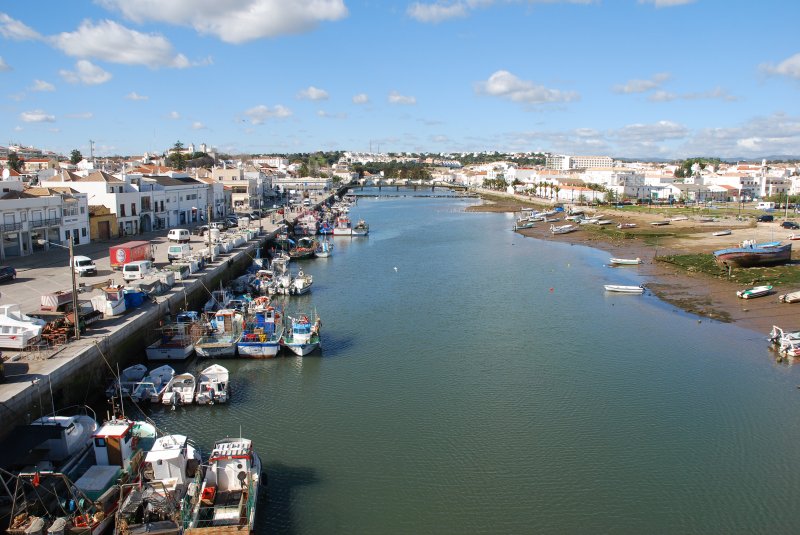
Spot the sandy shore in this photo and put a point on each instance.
(698, 293)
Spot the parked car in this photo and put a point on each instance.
(790, 225)
(765, 218)
(201, 230)
(180, 235)
(7, 273)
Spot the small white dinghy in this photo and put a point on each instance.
(791, 297)
(180, 391)
(620, 288)
(625, 261)
(755, 291)
(722, 233)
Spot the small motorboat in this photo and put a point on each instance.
(625, 261)
(791, 297)
(622, 226)
(793, 236)
(722, 233)
(755, 291)
(660, 223)
(619, 288)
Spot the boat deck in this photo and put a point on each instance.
(217, 530)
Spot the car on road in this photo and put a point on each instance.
(84, 266)
(7, 273)
(201, 230)
(790, 225)
(765, 218)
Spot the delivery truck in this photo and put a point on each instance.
(130, 252)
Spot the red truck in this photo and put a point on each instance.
(130, 252)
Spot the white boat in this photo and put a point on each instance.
(180, 391)
(212, 385)
(324, 249)
(679, 218)
(303, 336)
(229, 493)
(625, 261)
(619, 288)
(626, 225)
(155, 504)
(343, 226)
(361, 228)
(126, 381)
(604, 222)
(755, 291)
(660, 223)
(18, 330)
(153, 385)
(301, 284)
(226, 331)
(722, 233)
(219, 299)
(562, 229)
(791, 297)
(588, 221)
(111, 302)
(262, 335)
(176, 342)
(793, 236)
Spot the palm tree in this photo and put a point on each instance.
(557, 189)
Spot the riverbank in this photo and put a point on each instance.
(695, 292)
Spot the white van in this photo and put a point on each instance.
(179, 251)
(137, 270)
(83, 265)
(180, 235)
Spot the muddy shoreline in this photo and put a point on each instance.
(700, 294)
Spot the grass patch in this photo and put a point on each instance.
(785, 275)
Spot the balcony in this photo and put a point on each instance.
(11, 227)
(50, 222)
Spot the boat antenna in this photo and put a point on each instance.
(121, 405)
(52, 401)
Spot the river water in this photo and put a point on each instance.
(476, 381)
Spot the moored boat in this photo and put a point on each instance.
(212, 385)
(175, 342)
(151, 388)
(750, 254)
(791, 297)
(180, 391)
(627, 289)
(626, 225)
(303, 336)
(563, 229)
(226, 331)
(262, 335)
(755, 291)
(324, 249)
(361, 228)
(660, 223)
(625, 261)
(343, 226)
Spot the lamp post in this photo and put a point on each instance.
(75, 312)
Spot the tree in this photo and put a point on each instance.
(176, 158)
(75, 156)
(14, 162)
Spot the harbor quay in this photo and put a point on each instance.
(39, 382)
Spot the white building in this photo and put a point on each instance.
(563, 161)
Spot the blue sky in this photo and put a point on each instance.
(626, 78)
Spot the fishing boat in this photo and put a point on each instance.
(304, 248)
(155, 505)
(563, 229)
(625, 261)
(180, 391)
(18, 330)
(791, 297)
(262, 335)
(793, 236)
(361, 228)
(324, 249)
(755, 291)
(343, 226)
(219, 299)
(626, 225)
(175, 342)
(229, 492)
(152, 387)
(225, 332)
(750, 254)
(303, 336)
(619, 288)
(212, 385)
(726, 232)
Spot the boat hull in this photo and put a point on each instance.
(753, 257)
(216, 351)
(159, 352)
(301, 350)
(258, 350)
(624, 289)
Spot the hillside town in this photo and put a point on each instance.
(48, 199)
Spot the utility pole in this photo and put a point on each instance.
(91, 150)
(76, 317)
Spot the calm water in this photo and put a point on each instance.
(488, 385)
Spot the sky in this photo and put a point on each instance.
(623, 78)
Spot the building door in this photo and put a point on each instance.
(104, 230)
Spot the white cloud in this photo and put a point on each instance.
(437, 12)
(133, 95)
(86, 73)
(667, 3)
(4, 67)
(112, 42)
(16, 30)
(717, 93)
(772, 135)
(84, 115)
(259, 114)
(397, 98)
(313, 93)
(361, 98)
(37, 116)
(327, 115)
(642, 86)
(18, 128)
(41, 85)
(789, 67)
(503, 84)
(235, 21)
(662, 96)
(650, 133)
(174, 115)
(197, 125)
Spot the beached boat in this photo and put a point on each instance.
(262, 335)
(152, 387)
(679, 218)
(660, 223)
(750, 254)
(212, 385)
(793, 236)
(361, 228)
(226, 331)
(791, 297)
(524, 225)
(625, 261)
(619, 288)
(324, 249)
(755, 291)
(722, 233)
(303, 336)
(605, 222)
(229, 493)
(156, 505)
(180, 391)
(626, 225)
(563, 229)
(343, 226)
(18, 330)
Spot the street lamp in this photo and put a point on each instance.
(75, 314)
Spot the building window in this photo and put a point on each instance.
(83, 231)
(66, 236)
(83, 210)
(133, 208)
(122, 210)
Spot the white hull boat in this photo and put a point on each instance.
(180, 391)
(212, 385)
(562, 229)
(18, 330)
(303, 336)
(791, 297)
(625, 261)
(620, 288)
(722, 233)
(151, 388)
(755, 291)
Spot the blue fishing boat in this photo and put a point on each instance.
(262, 336)
(751, 254)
